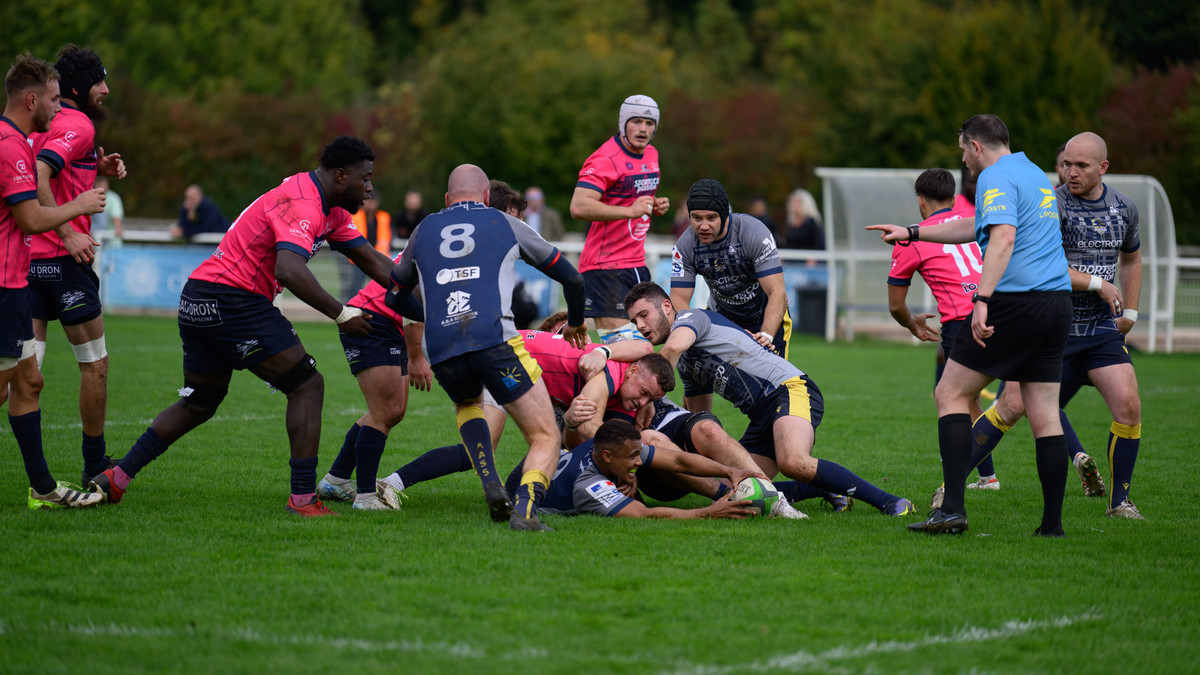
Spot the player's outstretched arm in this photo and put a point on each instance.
(586, 205)
(671, 458)
(722, 508)
(291, 270)
(678, 342)
(372, 263)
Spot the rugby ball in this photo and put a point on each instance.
(761, 493)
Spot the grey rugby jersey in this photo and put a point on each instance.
(732, 268)
(1094, 235)
(725, 360)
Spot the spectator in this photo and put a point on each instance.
(414, 213)
(376, 225)
(758, 209)
(682, 222)
(545, 220)
(803, 222)
(113, 217)
(197, 215)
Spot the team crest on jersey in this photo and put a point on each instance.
(629, 165)
(638, 227)
(1099, 226)
(22, 167)
(72, 299)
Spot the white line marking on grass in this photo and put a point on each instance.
(254, 636)
(803, 660)
(146, 422)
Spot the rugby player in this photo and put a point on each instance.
(462, 258)
(736, 255)
(384, 363)
(227, 320)
(784, 405)
(616, 192)
(587, 479)
(61, 281)
(1019, 322)
(32, 90)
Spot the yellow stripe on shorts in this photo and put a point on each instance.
(799, 404)
(527, 362)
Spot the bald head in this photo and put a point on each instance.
(467, 183)
(1084, 163)
(1091, 144)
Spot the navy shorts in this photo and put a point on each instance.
(225, 328)
(1027, 345)
(679, 428)
(949, 333)
(507, 370)
(64, 290)
(1083, 354)
(17, 327)
(605, 290)
(798, 397)
(383, 346)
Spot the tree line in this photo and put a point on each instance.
(756, 93)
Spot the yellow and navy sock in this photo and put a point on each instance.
(533, 487)
(986, 433)
(344, 463)
(1123, 442)
(368, 450)
(478, 440)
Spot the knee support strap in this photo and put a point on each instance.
(203, 396)
(302, 372)
(89, 352)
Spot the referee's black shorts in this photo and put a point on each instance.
(1027, 345)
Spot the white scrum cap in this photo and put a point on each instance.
(637, 105)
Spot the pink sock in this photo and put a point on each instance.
(121, 478)
(304, 499)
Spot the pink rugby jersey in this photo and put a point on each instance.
(70, 147)
(18, 183)
(950, 270)
(620, 177)
(371, 299)
(559, 362)
(293, 216)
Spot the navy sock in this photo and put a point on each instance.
(147, 449)
(796, 491)
(1052, 472)
(835, 478)
(986, 467)
(1074, 447)
(343, 464)
(1123, 442)
(304, 475)
(436, 463)
(93, 454)
(477, 438)
(722, 490)
(954, 443)
(368, 449)
(27, 429)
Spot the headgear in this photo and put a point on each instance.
(76, 79)
(637, 105)
(707, 194)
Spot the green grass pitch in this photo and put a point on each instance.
(199, 569)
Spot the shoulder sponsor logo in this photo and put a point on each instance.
(22, 167)
(990, 196)
(1048, 198)
(676, 263)
(69, 136)
(446, 276)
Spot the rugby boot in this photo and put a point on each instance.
(530, 524)
(499, 505)
(64, 496)
(106, 484)
(313, 509)
(109, 463)
(1093, 484)
(941, 522)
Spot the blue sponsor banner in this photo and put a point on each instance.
(140, 277)
(543, 291)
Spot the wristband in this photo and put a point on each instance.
(1095, 283)
(914, 233)
(348, 313)
(1130, 314)
(606, 350)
